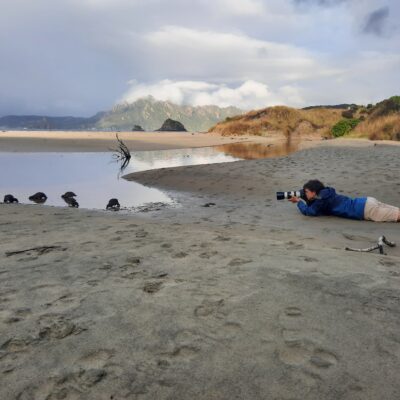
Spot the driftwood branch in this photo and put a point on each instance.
(121, 154)
(40, 250)
(379, 246)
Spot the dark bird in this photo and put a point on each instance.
(113, 205)
(71, 202)
(10, 199)
(38, 198)
(68, 195)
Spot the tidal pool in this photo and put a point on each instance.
(95, 178)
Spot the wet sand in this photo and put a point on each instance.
(246, 299)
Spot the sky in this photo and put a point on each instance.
(78, 57)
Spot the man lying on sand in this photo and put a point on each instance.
(323, 200)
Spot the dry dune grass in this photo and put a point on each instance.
(278, 120)
(382, 128)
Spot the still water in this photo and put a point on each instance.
(95, 178)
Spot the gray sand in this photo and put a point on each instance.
(247, 299)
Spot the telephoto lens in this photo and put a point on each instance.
(289, 195)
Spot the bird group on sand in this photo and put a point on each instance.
(68, 197)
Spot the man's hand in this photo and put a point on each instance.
(294, 199)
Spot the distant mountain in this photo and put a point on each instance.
(40, 122)
(151, 114)
(147, 112)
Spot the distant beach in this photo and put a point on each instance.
(32, 141)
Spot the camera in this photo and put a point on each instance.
(288, 195)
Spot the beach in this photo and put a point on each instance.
(242, 299)
(67, 141)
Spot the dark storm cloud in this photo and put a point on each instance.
(376, 21)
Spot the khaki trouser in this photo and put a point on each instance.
(380, 212)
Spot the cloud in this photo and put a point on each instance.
(376, 21)
(75, 56)
(229, 57)
(248, 95)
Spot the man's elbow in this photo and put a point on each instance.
(309, 213)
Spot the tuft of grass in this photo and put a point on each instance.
(383, 128)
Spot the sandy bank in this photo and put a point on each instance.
(25, 141)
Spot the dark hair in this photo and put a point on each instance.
(314, 186)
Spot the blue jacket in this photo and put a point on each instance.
(330, 203)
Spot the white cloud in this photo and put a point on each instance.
(248, 95)
(230, 56)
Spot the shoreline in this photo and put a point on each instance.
(64, 141)
(83, 141)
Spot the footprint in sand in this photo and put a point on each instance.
(294, 246)
(133, 260)
(309, 259)
(65, 302)
(221, 238)
(7, 295)
(231, 328)
(207, 308)
(17, 315)
(208, 254)
(185, 345)
(95, 359)
(56, 326)
(185, 352)
(181, 254)
(238, 261)
(350, 236)
(106, 267)
(17, 345)
(152, 287)
(297, 346)
(132, 274)
(130, 269)
(141, 234)
(388, 263)
(88, 371)
(70, 385)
